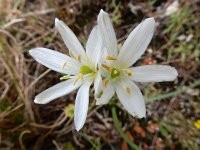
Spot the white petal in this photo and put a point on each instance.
(107, 94)
(102, 58)
(94, 46)
(133, 102)
(58, 90)
(98, 84)
(55, 60)
(137, 42)
(108, 33)
(153, 73)
(81, 106)
(69, 38)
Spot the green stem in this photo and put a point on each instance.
(121, 132)
(175, 93)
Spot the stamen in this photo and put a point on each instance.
(111, 58)
(79, 76)
(65, 77)
(128, 72)
(71, 54)
(106, 67)
(106, 81)
(64, 64)
(79, 58)
(128, 90)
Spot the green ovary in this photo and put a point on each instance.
(85, 70)
(115, 73)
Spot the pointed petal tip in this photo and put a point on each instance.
(174, 72)
(77, 129)
(56, 21)
(102, 11)
(32, 51)
(150, 21)
(139, 115)
(142, 115)
(37, 101)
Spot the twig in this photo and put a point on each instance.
(56, 145)
(12, 22)
(21, 140)
(38, 78)
(9, 111)
(56, 124)
(5, 89)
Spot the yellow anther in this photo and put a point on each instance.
(71, 54)
(106, 81)
(65, 77)
(106, 67)
(128, 72)
(128, 90)
(111, 58)
(64, 64)
(79, 58)
(79, 76)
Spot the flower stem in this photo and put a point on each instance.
(121, 132)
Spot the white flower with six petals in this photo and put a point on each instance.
(116, 65)
(80, 69)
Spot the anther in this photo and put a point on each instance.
(79, 58)
(71, 54)
(106, 67)
(106, 81)
(128, 72)
(64, 64)
(128, 90)
(111, 58)
(65, 77)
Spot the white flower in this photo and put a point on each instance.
(116, 66)
(80, 69)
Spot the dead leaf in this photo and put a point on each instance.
(152, 128)
(124, 146)
(139, 130)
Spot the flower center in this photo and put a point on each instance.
(85, 70)
(115, 73)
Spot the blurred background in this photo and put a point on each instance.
(173, 108)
